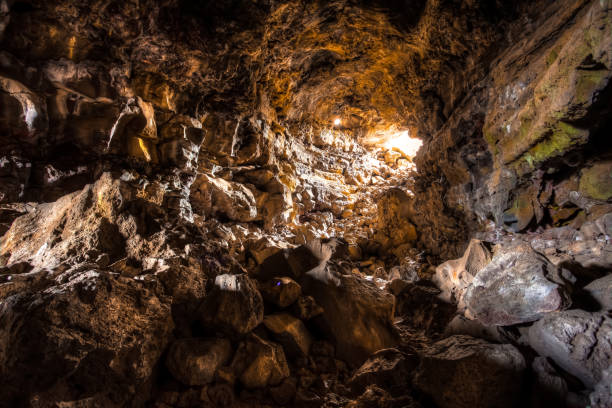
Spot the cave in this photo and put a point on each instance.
(306, 203)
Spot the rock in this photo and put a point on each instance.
(473, 328)
(455, 276)
(306, 308)
(421, 309)
(285, 392)
(282, 292)
(517, 286)
(601, 397)
(234, 306)
(85, 334)
(577, 341)
(600, 290)
(461, 371)
(389, 369)
(596, 181)
(259, 363)
(294, 262)
(195, 361)
(357, 314)
(550, 389)
(290, 332)
(212, 196)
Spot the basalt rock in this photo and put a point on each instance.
(577, 341)
(461, 371)
(234, 306)
(195, 361)
(517, 286)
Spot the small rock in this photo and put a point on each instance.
(281, 291)
(306, 308)
(234, 306)
(290, 332)
(195, 361)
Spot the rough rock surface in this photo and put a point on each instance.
(517, 286)
(195, 361)
(164, 161)
(461, 371)
(577, 341)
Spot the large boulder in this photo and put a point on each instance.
(357, 315)
(194, 361)
(234, 305)
(577, 341)
(259, 363)
(462, 372)
(517, 286)
(86, 334)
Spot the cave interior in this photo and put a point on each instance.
(306, 203)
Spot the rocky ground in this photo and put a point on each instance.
(183, 223)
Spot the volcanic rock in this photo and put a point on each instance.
(259, 363)
(461, 371)
(234, 306)
(577, 341)
(517, 286)
(290, 332)
(282, 292)
(195, 361)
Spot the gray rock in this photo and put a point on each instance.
(578, 341)
(518, 286)
(601, 291)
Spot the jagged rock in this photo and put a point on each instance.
(600, 291)
(234, 306)
(455, 276)
(306, 308)
(517, 286)
(282, 292)
(83, 327)
(260, 363)
(195, 361)
(292, 262)
(389, 369)
(461, 371)
(577, 341)
(290, 332)
(215, 196)
(357, 314)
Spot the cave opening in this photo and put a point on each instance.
(345, 203)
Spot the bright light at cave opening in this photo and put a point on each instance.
(403, 142)
(337, 122)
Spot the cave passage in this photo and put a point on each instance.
(345, 203)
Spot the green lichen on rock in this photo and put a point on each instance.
(555, 141)
(596, 181)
